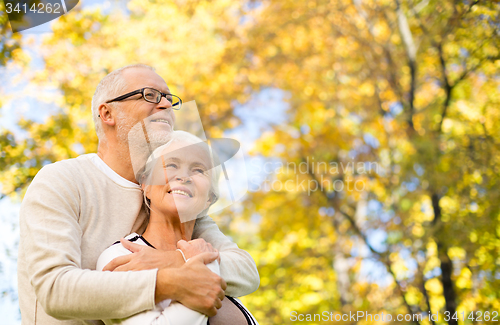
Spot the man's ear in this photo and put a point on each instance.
(106, 114)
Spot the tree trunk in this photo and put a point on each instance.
(446, 265)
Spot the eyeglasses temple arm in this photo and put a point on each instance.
(122, 97)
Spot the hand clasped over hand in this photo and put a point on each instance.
(202, 290)
(198, 287)
(144, 258)
(194, 247)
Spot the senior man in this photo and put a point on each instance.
(76, 208)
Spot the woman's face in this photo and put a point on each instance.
(181, 181)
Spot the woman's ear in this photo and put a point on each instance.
(211, 198)
(146, 189)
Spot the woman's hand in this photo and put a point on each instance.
(194, 247)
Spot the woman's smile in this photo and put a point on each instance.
(181, 191)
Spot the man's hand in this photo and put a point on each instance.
(144, 258)
(194, 247)
(193, 285)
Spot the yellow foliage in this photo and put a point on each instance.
(434, 286)
(345, 70)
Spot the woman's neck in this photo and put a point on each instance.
(163, 232)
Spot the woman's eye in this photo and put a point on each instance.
(199, 171)
(171, 166)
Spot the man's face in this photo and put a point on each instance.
(158, 118)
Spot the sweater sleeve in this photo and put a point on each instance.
(237, 267)
(51, 236)
(164, 313)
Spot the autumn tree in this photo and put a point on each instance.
(10, 53)
(409, 86)
(390, 149)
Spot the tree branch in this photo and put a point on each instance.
(446, 264)
(446, 84)
(449, 87)
(382, 257)
(411, 52)
(427, 298)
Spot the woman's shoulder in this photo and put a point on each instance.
(114, 251)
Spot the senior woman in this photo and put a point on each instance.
(180, 183)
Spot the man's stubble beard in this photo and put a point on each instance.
(140, 143)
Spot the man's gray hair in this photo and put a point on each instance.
(109, 87)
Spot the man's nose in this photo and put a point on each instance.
(164, 103)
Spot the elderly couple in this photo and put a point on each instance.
(169, 263)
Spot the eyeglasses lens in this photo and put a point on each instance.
(154, 96)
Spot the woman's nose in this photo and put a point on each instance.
(183, 176)
(185, 179)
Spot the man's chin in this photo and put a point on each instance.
(142, 144)
(154, 133)
(159, 137)
(160, 128)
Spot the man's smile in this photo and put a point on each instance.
(161, 120)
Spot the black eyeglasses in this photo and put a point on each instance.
(153, 96)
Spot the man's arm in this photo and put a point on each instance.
(193, 284)
(237, 267)
(51, 238)
(51, 243)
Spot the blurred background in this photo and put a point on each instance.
(370, 128)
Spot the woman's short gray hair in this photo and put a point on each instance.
(110, 86)
(144, 176)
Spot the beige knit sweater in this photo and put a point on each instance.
(71, 213)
